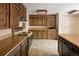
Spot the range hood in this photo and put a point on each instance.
(73, 12)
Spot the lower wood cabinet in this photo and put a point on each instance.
(40, 34)
(19, 50)
(65, 48)
(35, 34)
(22, 49)
(44, 34)
(15, 51)
(60, 47)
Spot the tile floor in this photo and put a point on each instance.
(44, 47)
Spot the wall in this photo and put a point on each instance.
(67, 23)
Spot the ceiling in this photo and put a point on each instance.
(51, 7)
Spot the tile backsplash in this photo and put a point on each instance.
(5, 33)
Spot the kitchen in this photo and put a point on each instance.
(39, 29)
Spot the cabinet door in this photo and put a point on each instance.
(24, 48)
(44, 19)
(49, 20)
(45, 34)
(39, 20)
(40, 36)
(31, 21)
(53, 21)
(35, 34)
(22, 11)
(14, 15)
(50, 34)
(60, 47)
(15, 52)
(4, 15)
(54, 34)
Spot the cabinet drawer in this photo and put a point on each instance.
(24, 42)
(14, 51)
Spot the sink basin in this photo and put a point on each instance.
(51, 27)
(23, 34)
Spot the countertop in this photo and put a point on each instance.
(8, 43)
(72, 38)
(41, 28)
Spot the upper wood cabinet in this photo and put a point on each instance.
(4, 15)
(10, 14)
(17, 10)
(14, 15)
(42, 20)
(22, 11)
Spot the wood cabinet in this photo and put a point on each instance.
(4, 15)
(60, 47)
(22, 48)
(14, 15)
(35, 34)
(40, 34)
(46, 26)
(10, 14)
(19, 12)
(44, 34)
(42, 20)
(15, 51)
(22, 11)
(66, 48)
